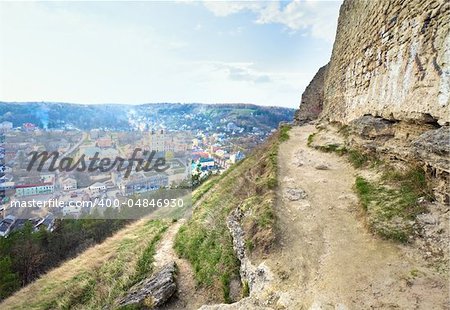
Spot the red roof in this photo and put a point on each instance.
(33, 185)
(201, 154)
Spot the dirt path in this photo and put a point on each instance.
(326, 258)
(187, 297)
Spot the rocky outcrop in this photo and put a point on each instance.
(433, 149)
(389, 80)
(257, 278)
(153, 292)
(391, 58)
(407, 142)
(311, 104)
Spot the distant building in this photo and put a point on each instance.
(206, 163)
(48, 178)
(143, 182)
(197, 155)
(7, 186)
(234, 158)
(6, 126)
(69, 184)
(177, 172)
(222, 161)
(97, 188)
(29, 127)
(34, 189)
(157, 140)
(104, 142)
(90, 151)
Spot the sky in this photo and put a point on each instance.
(163, 51)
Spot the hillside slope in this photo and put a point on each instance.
(206, 240)
(325, 257)
(98, 276)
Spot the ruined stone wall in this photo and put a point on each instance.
(311, 104)
(391, 58)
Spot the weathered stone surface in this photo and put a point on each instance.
(405, 142)
(434, 142)
(370, 127)
(312, 99)
(257, 277)
(294, 194)
(322, 167)
(433, 149)
(391, 58)
(155, 291)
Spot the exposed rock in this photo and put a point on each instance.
(407, 143)
(294, 194)
(244, 304)
(390, 59)
(433, 149)
(370, 127)
(312, 99)
(153, 292)
(434, 142)
(256, 277)
(322, 167)
(427, 218)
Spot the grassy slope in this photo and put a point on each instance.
(205, 240)
(97, 277)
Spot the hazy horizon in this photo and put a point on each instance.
(145, 103)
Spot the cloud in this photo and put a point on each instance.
(317, 18)
(225, 8)
(242, 72)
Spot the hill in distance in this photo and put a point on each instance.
(173, 116)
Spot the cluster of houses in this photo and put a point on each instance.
(10, 223)
(210, 154)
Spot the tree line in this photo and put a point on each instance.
(26, 254)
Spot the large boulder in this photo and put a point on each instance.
(369, 127)
(153, 292)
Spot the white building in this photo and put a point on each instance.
(69, 184)
(234, 158)
(97, 188)
(5, 126)
(157, 140)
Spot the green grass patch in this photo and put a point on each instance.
(392, 208)
(284, 133)
(311, 139)
(345, 130)
(205, 240)
(245, 289)
(333, 148)
(144, 266)
(357, 158)
(97, 278)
